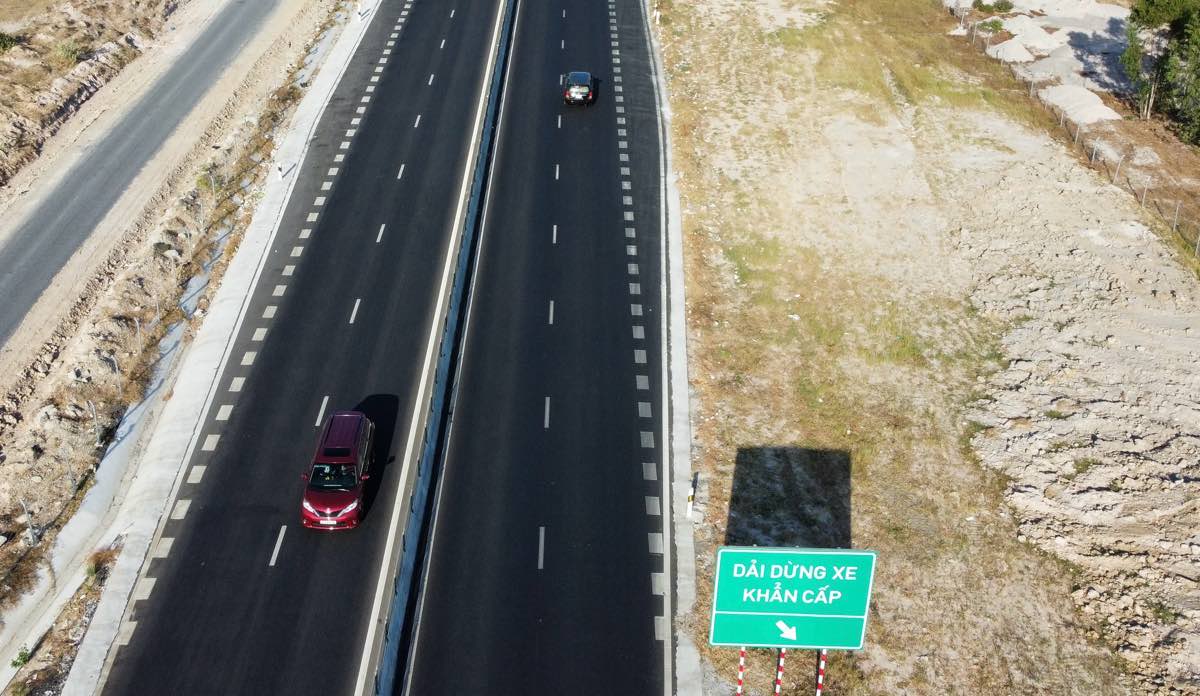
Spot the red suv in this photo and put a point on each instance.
(333, 498)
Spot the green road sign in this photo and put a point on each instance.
(791, 598)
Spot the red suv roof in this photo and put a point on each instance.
(341, 437)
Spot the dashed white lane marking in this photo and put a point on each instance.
(560, 120)
(554, 235)
(269, 311)
(196, 473)
(639, 356)
(393, 35)
(418, 121)
(344, 145)
(379, 237)
(248, 357)
(626, 185)
(297, 250)
(623, 144)
(629, 216)
(366, 100)
(278, 290)
(631, 232)
(644, 409)
(333, 171)
(562, 44)
(400, 173)
(632, 268)
(181, 509)
(431, 78)
(643, 382)
(388, 51)
(451, 14)
(443, 44)
(224, 412)
(626, 200)
(647, 439)
(259, 334)
(556, 172)
(236, 384)
(660, 628)
(321, 412)
(655, 540)
(649, 471)
(383, 61)
(658, 583)
(635, 310)
(546, 416)
(551, 322)
(541, 548)
(631, 250)
(371, 88)
(278, 544)
(652, 506)
(339, 157)
(326, 185)
(354, 312)
(639, 332)
(163, 548)
(312, 217)
(564, 14)
(635, 288)
(306, 233)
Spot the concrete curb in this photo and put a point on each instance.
(688, 674)
(159, 473)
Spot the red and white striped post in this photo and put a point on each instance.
(741, 671)
(779, 671)
(821, 671)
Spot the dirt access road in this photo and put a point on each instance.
(918, 324)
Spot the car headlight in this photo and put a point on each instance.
(308, 507)
(348, 508)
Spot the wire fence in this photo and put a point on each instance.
(1177, 207)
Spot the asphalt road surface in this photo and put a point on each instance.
(44, 242)
(241, 605)
(547, 532)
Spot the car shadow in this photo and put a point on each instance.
(383, 410)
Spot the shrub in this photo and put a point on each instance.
(22, 657)
(67, 54)
(7, 41)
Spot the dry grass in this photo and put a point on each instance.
(18, 10)
(802, 340)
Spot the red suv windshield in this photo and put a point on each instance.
(332, 477)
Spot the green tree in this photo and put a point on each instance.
(1181, 76)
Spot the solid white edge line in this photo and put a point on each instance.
(321, 412)
(487, 200)
(430, 349)
(278, 544)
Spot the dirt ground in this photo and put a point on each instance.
(903, 294)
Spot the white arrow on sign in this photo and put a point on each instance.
(786, 631)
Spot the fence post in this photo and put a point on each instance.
(1145, 190)
(1117, 175)
(1095, 147)
(1175, 224)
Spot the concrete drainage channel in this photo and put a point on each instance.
(440, 414)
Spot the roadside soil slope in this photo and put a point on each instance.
(919, 324)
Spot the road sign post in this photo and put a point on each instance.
(791, 598)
